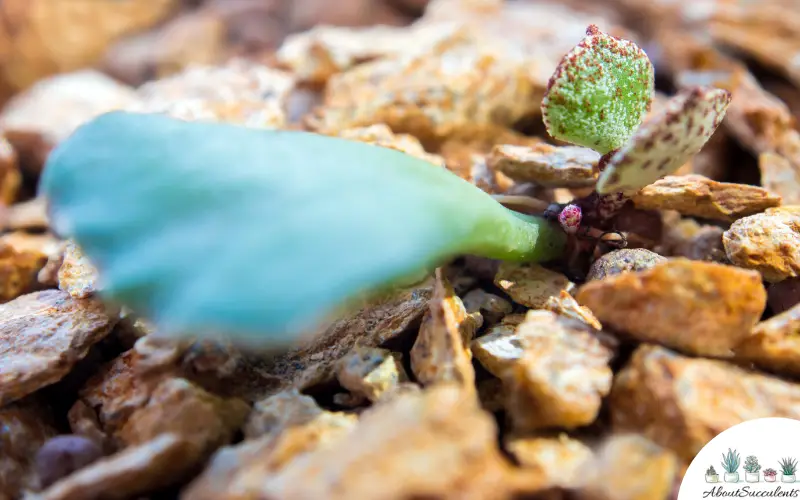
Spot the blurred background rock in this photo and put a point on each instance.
(139, 41)
(135, 40)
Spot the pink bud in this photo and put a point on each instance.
(570, 218)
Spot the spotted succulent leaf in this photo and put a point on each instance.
(666, 140)
(599, 93)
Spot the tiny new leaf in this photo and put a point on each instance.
(599, 93)
(666, 140)
(215, 229)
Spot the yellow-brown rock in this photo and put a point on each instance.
(682, 403)
(19, 267)
(436, 443)
(767, 242)
(531, 284)
(77, 275)
(701, 308)
(381, 135)
(461, 86)
(566, 305)
(546, 165)
(179, 407)
(498, 349)
(243, 469)
(36, 120)
(780, 176)
(560, 460)
(10, 176)
(774, 344)
(700, 196)
(123, 385)
(543, 31)
(83, 422)
(467, 157)
(441, 352)
(42, 336)
(323, 51)
(240, 91)
(371, 372)
(30, 214)
(273, 415)
(382, 318)
(46, 37)
(630, 467)
(768, 32)
(42, 244)
(622, 261)
(562, 376)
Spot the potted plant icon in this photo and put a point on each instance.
(711, 475)
(788, 468)
(730, 464)
(751, 468)
(770, 475)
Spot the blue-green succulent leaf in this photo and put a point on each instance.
(216, 229)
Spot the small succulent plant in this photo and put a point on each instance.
(730, 461)
(212, 229)
(598, 98)
(770, 472)
(751, 464)
(788, 466)
(711, 471)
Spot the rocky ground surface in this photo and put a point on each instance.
(488, 380)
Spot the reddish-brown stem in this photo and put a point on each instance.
(603, 161)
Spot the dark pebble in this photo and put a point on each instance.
(62, 455)
(784, 295)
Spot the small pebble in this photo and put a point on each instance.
(784, 295)
(768, 242)
(62, 455)
(705, 245)
(621, 261)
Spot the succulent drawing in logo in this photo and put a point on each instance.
(770, 475)
(788, 468)
(751, 469)
(730, 464)
(711, 475)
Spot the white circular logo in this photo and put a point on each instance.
(755, 459)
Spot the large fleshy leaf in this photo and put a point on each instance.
(599, 93)
(666, 140)
(208, 228)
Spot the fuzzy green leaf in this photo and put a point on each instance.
(209, 228)
(599, 93)
(666, 140)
